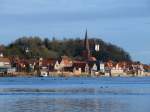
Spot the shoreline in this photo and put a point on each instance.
(68, 75)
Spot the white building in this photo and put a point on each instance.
(117, 70)
(4, 64)
(102, 67)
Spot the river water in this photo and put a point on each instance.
(75, 94)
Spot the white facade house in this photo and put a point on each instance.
(117, 70)
(140, 70)
(102, 67)
(87, 68)
(94, 70)
(4, 64)
(57, 66)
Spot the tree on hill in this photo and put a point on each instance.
(35, 47)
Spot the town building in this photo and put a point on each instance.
(5, 65)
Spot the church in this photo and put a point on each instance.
(87, 54)
(94, 64)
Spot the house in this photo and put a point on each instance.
(94, 70)
(109, 64)
(64, 64)
(32, 65)
(49, 64)
(77, 72)
(146, 68)
(5, 64)
(46, 66)
(117, 69)
(102, 67)
(80, 67)
(138, 69)
(57, 66)
(87, 69)
(66, 61)
(94, 67)
(114, 68)
(22, 65)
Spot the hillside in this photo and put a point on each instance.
(35, 47)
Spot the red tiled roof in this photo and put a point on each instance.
(79, 64)
(46, 62)
(4, 60)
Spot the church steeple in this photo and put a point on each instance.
(86, 41)
(86, 46)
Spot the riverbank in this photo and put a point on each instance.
(70, 74)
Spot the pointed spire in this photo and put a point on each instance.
(86, 42)
(86, 46)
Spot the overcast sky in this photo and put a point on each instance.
(122, 22)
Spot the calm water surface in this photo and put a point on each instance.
(75, 94)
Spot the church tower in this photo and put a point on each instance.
(86, 52)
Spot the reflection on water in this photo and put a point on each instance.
(64, 104)
(75, 95)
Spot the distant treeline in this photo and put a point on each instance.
(35, 47)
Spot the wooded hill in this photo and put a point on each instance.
(35, 47)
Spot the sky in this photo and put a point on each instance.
(125, 23)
